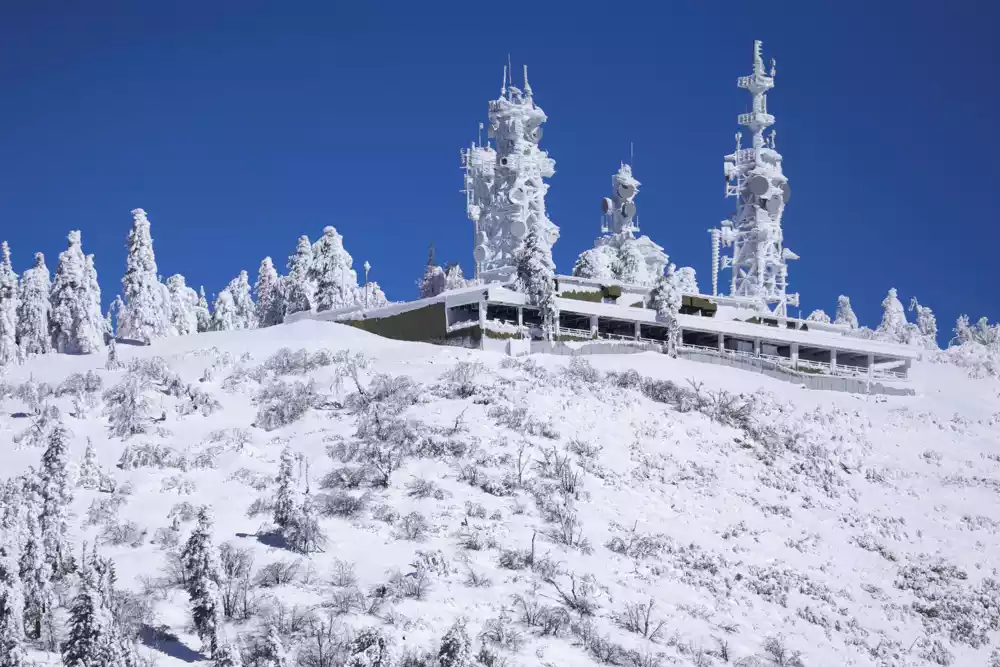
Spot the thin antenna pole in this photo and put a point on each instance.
(631, 153)
(510, 72)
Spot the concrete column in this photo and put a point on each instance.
(593, 326)
(520, 316)
(638, 330)
(722, 343)
(871, 361)
(833, 361)
(795, 355)
(482, 313)
(756, 347)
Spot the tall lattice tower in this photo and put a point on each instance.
(505, 188)
(754, 177)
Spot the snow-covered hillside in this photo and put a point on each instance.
(632, 510)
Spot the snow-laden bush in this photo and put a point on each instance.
(198, 401)
(281, 403)
(519, 419)
(278, 573)
(299, 362)
(129, 410)
(461, 380)
(386, 396)
(118, 534)
(151, 455)
(33, 394)
(79, 384)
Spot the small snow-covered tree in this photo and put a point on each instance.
(201, 573)
(33, 309)
(302, 531)
(12, 648)
(630, 266)
(666, 299)
(371, 296)
(270, 306)
(64, 295)
(369, 648)
(33, 569)
(284, 500)
(454, 278)
(183, 306)
(57, 496)
(274, 653)
(687, 280)
(818, 315)
(926, 327)
(434, 280)
(845, 314)
(92, 325)
(893, 326)
(224, 312)
(90, 642)
(89, 476)
(331, 272)
(456, 649)
(8, 309)
(113, 363)
(297, 285)
(146, 313)
(535, 277)
(202, 313)
(227, 655)
(244, 310)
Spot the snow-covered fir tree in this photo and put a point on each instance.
(274, 653)
(89, 475)
(114, 309)
(113, 363)
(244, 310)
(284, 499)
(93, 326)
(371, 295)
(146, 313)
(33, 309)
(227, 655)
(302, 531)
(120, 646)
(535, 277)
(56, 495)
(8, 308)
(630, 265)
(454, 277)
(12, 646)
(893, 326)
(224, 312)
(76, 323)
(201, 312)
(331, 272)
(183, 306)
(845, 314)
(201, 571)
(666, 299)
(926, 326)
(270, 306)
(687, 280)
(297, 285)
(369, 648)
(434, 280)
(818, 315)
(90, 642)
(34, 571)
(456, 649)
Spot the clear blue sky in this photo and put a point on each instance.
(239, 126)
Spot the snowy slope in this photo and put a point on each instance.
(858, 531)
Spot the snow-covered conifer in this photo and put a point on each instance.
(65, 294)
(926, 325)
(183, 305)
(331, 272)
(302, 531)
(535, 276)
(56, 496)
(89, 476)
(666, 300)
(224, 312)
(8, 308)
(298, 288)
(90, 641)
(274, 653)
(434, 280)
(630, 265)
(201, 571)
(146, 313)
(36, 577)
(372, 296)
(202, 313)
(227, 655)
(244, 310)
(369, 648)
(114, 310)
(270, 306)
(33, 309)
(893, 326)
(456, 649)
(113, 363)
(284, 500)
(818, 315)
(845, 314)
(12, 649)
(687, 280)
(92, 326)
(454, 278)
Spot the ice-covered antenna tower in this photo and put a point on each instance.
(504, 187)
(619, 208)
(754, 178)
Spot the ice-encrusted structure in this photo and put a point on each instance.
(754, 177)
(504, 187)
(619, 254)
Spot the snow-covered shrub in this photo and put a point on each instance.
(780, 655)
(520, 420)
(198, 401)
(104, 509)
(127, 532)
(78, 384)
(502, 632)
(580, 370)
(341, 504)
(460, 381)
(179, 483)
(282, 403)
(151, 455)
(129, 410)
(277, 573)
(413, 526)
(302, 532)
(343, 574)
(638, 618)
(456, 649)
(386, 394)
(413, 585)
(369, 648)
(235, 587)
(578, 594)
(298, 362)
(33, 394)
(419, 487)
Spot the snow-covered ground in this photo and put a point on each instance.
(751, 515)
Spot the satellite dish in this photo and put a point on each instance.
(480, 238)
(518, 229)
(628, 209)
(773, 205)
(786, 190)
(607, 205)
(626, 190)
(480, 253)
(758, 185)
(517, 195)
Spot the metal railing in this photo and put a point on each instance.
(787, 363)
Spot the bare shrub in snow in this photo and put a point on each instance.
(341, 504)
(414, 584)
(520, 420)
(235, 587)
(346, 601)
(277, 573)
(150, 455)
(638, 618)
(281, 403)
(502, 632)
(413, 526)
(780, 655)
(459, 381)
(118, 534)
(343, 574)
(419, 487)
(579, 594)
(325, 643)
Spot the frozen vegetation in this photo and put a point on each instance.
(311, 495)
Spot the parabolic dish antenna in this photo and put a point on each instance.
(758, 185)
(480, 238)
(626, 190)
(607, 205)
(773, 205)
(480, 253)
(628, 209)
(518, 229)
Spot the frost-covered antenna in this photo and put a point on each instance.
(479, 136)
(510, 73)
(503, 86)
(527, 86)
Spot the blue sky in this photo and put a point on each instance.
(240, 126)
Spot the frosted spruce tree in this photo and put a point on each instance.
(33, 309)
(630, 265)
(224, 312)
(12, 648)
(89, 476)
(298, 287)
(845, 314)
(244, 309)
(201, 312)
(665, 299)
(687, 280)
(893, 326)
(57, 496)
(434, 280)
(227, 655)
(270, 306)
(302, 531)
(201, 572)
(93, 326)
(76, 324)
(818, 315)
(90, 642)
(284, 500)
(926, 327)
(331, 272)
(275, 654)
(8, 309)
(183, 306)
(535, 277)
(456, 649)
(33, 569)
(371, 295)
(146, 313)
(369, 648)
